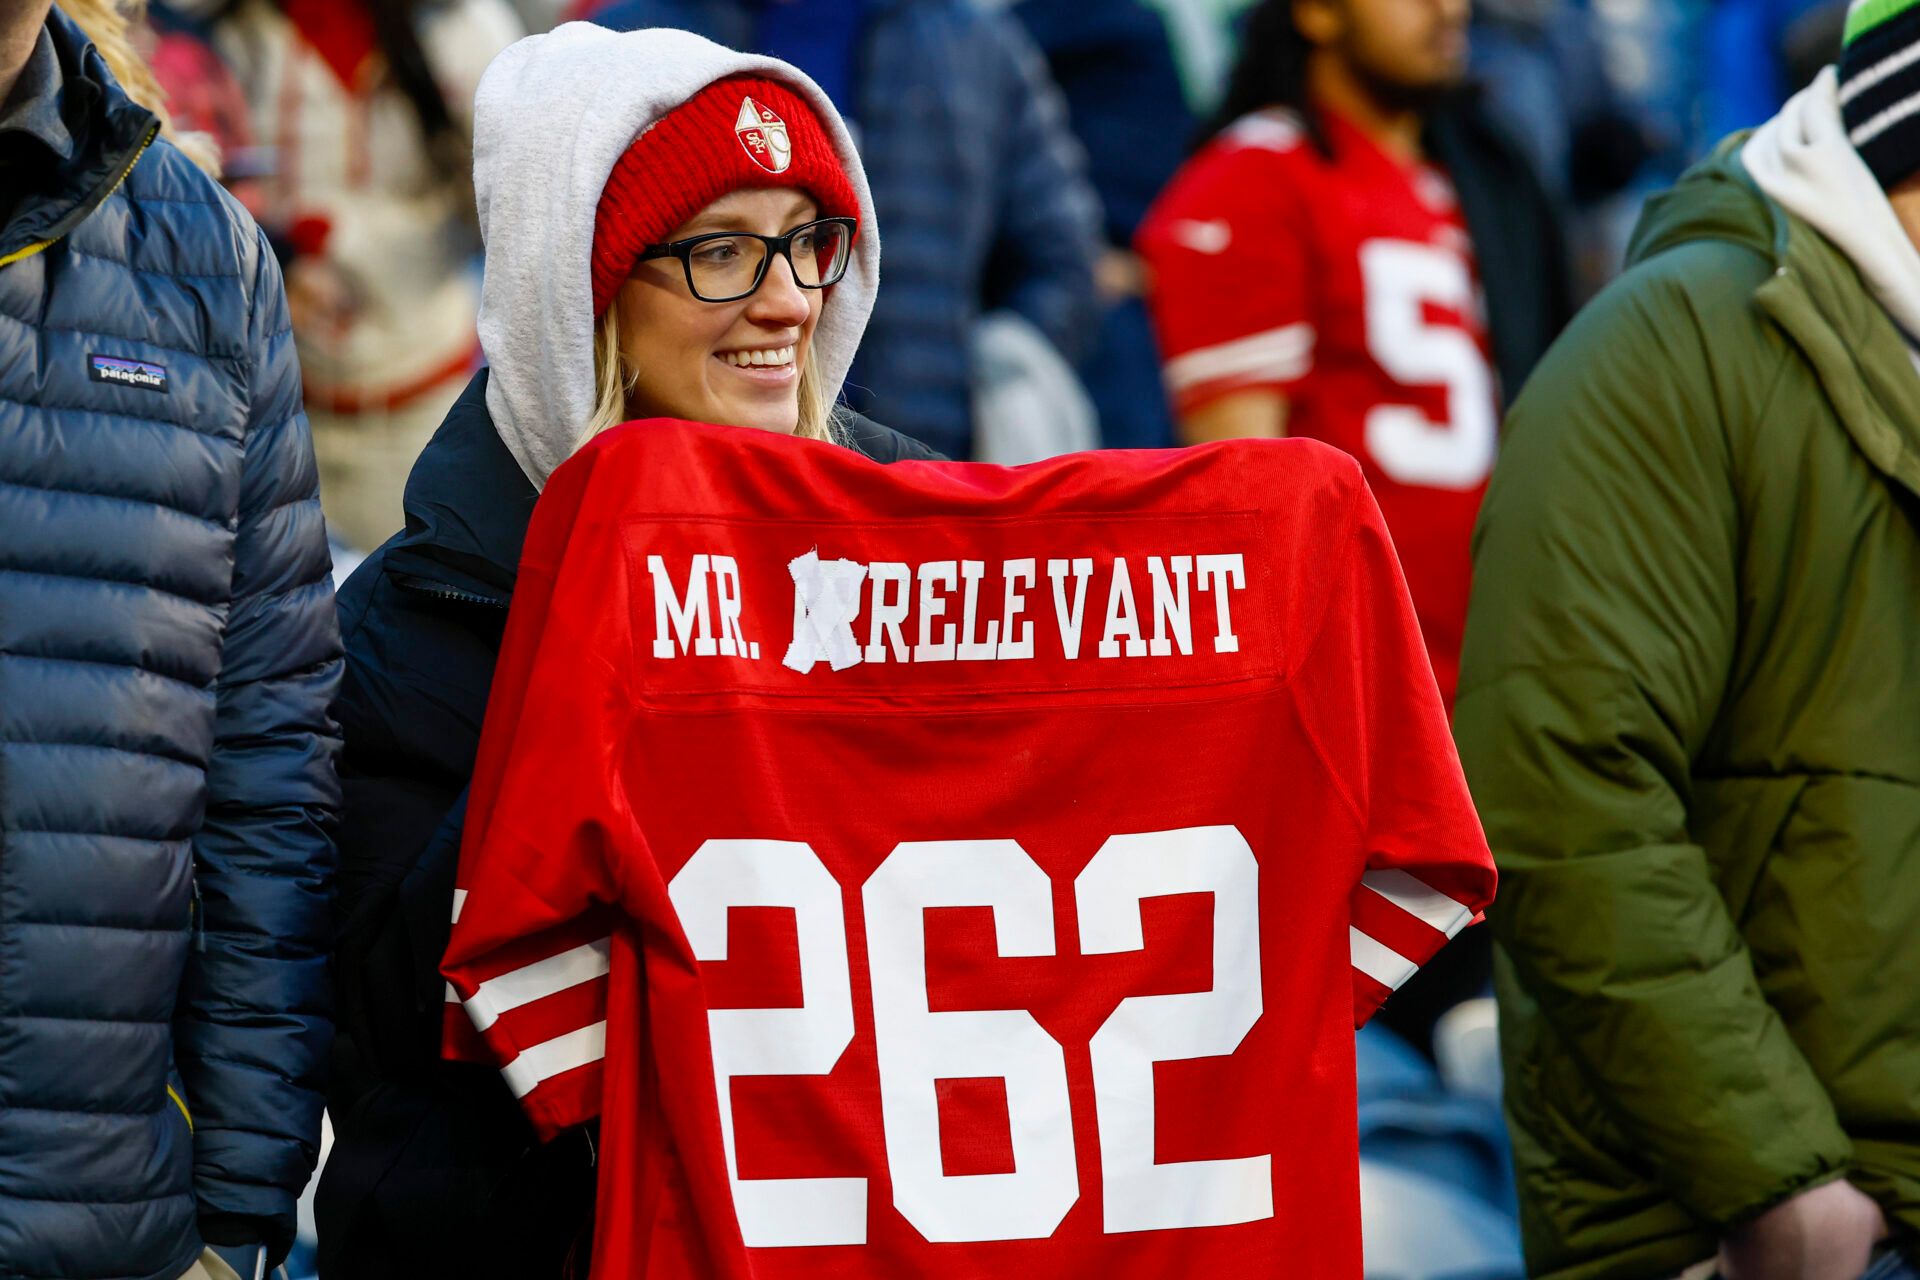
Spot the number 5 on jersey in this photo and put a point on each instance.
(1456, 452)
(916, 1046)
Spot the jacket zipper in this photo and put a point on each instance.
(27, 252)
(181, 1103)
(462, 597)
(118, 178)
(196, 912)
(440, 591)
(197, 942)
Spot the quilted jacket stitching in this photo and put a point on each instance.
(212, 355)
(104, 581)
(149, 503)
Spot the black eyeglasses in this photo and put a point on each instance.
(725, 266)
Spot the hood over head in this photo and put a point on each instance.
(553, 114)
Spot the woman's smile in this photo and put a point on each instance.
(765, 366)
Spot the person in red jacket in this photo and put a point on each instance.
(672, 230)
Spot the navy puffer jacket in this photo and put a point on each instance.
(168, 651)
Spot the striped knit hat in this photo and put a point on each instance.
(1880, 86)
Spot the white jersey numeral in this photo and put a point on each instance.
(916, 1047)
(1401, 277)
(807, 1041)
(1140, 1194)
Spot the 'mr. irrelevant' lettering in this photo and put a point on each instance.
(846, 612)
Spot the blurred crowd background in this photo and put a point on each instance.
(1012, 321)
(343, 127)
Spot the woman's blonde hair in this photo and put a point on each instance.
(109, 24)
(614, 379)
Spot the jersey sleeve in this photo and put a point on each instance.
(1370, 703)
(547, 823)
(1229, 289)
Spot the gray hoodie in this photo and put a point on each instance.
(553, 114)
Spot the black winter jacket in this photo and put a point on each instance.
(167, 655)
(434, 1169)
(1519, 241)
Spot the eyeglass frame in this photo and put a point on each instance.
(777, 246)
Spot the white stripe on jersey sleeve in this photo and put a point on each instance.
(1277, 355)
(1419, 899)
(535, 981)
(1381, 963)
(549, 1058)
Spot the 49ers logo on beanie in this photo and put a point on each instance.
(764, 135)
(684, 161)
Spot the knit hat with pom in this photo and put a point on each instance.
(737, 133)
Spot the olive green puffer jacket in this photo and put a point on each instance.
(1689, 709)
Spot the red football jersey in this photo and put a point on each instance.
(1346, 282)
(955, 871)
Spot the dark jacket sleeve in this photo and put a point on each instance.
(402, 781)
(1607, 568)
(253, 1028)
(1519, 238)
(1049, 223)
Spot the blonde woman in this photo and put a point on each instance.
(673, 230)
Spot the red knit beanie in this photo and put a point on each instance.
(736, 133)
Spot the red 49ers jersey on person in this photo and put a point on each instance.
(955, 871)
(1347, 283)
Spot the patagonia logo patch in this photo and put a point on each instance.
(128, 373)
